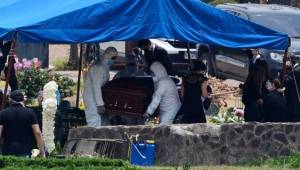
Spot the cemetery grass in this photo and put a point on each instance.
(222, 168)
(14, 163)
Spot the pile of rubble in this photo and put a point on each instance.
(225, 95)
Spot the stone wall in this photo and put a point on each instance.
(203, 144)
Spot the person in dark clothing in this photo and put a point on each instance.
(249, 54)
(4, 50)
(274, 104)
(154, 53)
(255, 60)
(194, 93)
(292, 93)
(18, 127)
(253, 94)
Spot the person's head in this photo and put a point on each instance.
(273, 84)
(16, 97)
(131, 59)
(65, 104)
(110, 54)
(159, 71)
(255, 52)
(131, 63)
(145, 44)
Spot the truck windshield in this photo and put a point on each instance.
(281, 22)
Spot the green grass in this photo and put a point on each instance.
(223, 168)
(13, 163)
(291, 162)
(61, 64)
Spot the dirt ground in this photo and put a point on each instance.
(226, 93)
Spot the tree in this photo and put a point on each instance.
(74, 57)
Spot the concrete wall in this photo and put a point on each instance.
(202, 144)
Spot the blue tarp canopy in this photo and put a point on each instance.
(86, 21)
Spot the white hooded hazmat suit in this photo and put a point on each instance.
(165, 95)
(96, 77)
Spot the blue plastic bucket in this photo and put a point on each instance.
(142, 153)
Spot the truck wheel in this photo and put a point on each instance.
(205, 59)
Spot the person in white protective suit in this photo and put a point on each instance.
(96, 77)
(165, 95)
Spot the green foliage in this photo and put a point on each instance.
(292, 161)
(32, 81)
(216, 2)
(64, 164)
(65, 85)
(186, 166)
(61, 64)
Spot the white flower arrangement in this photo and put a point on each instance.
(49, 109)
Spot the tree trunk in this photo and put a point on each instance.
(73, 58)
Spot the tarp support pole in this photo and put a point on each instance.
(79, 76)
(189, 53)
(285, 59)
(11, 58)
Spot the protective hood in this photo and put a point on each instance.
(159, 71)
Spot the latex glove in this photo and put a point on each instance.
(100, 110)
